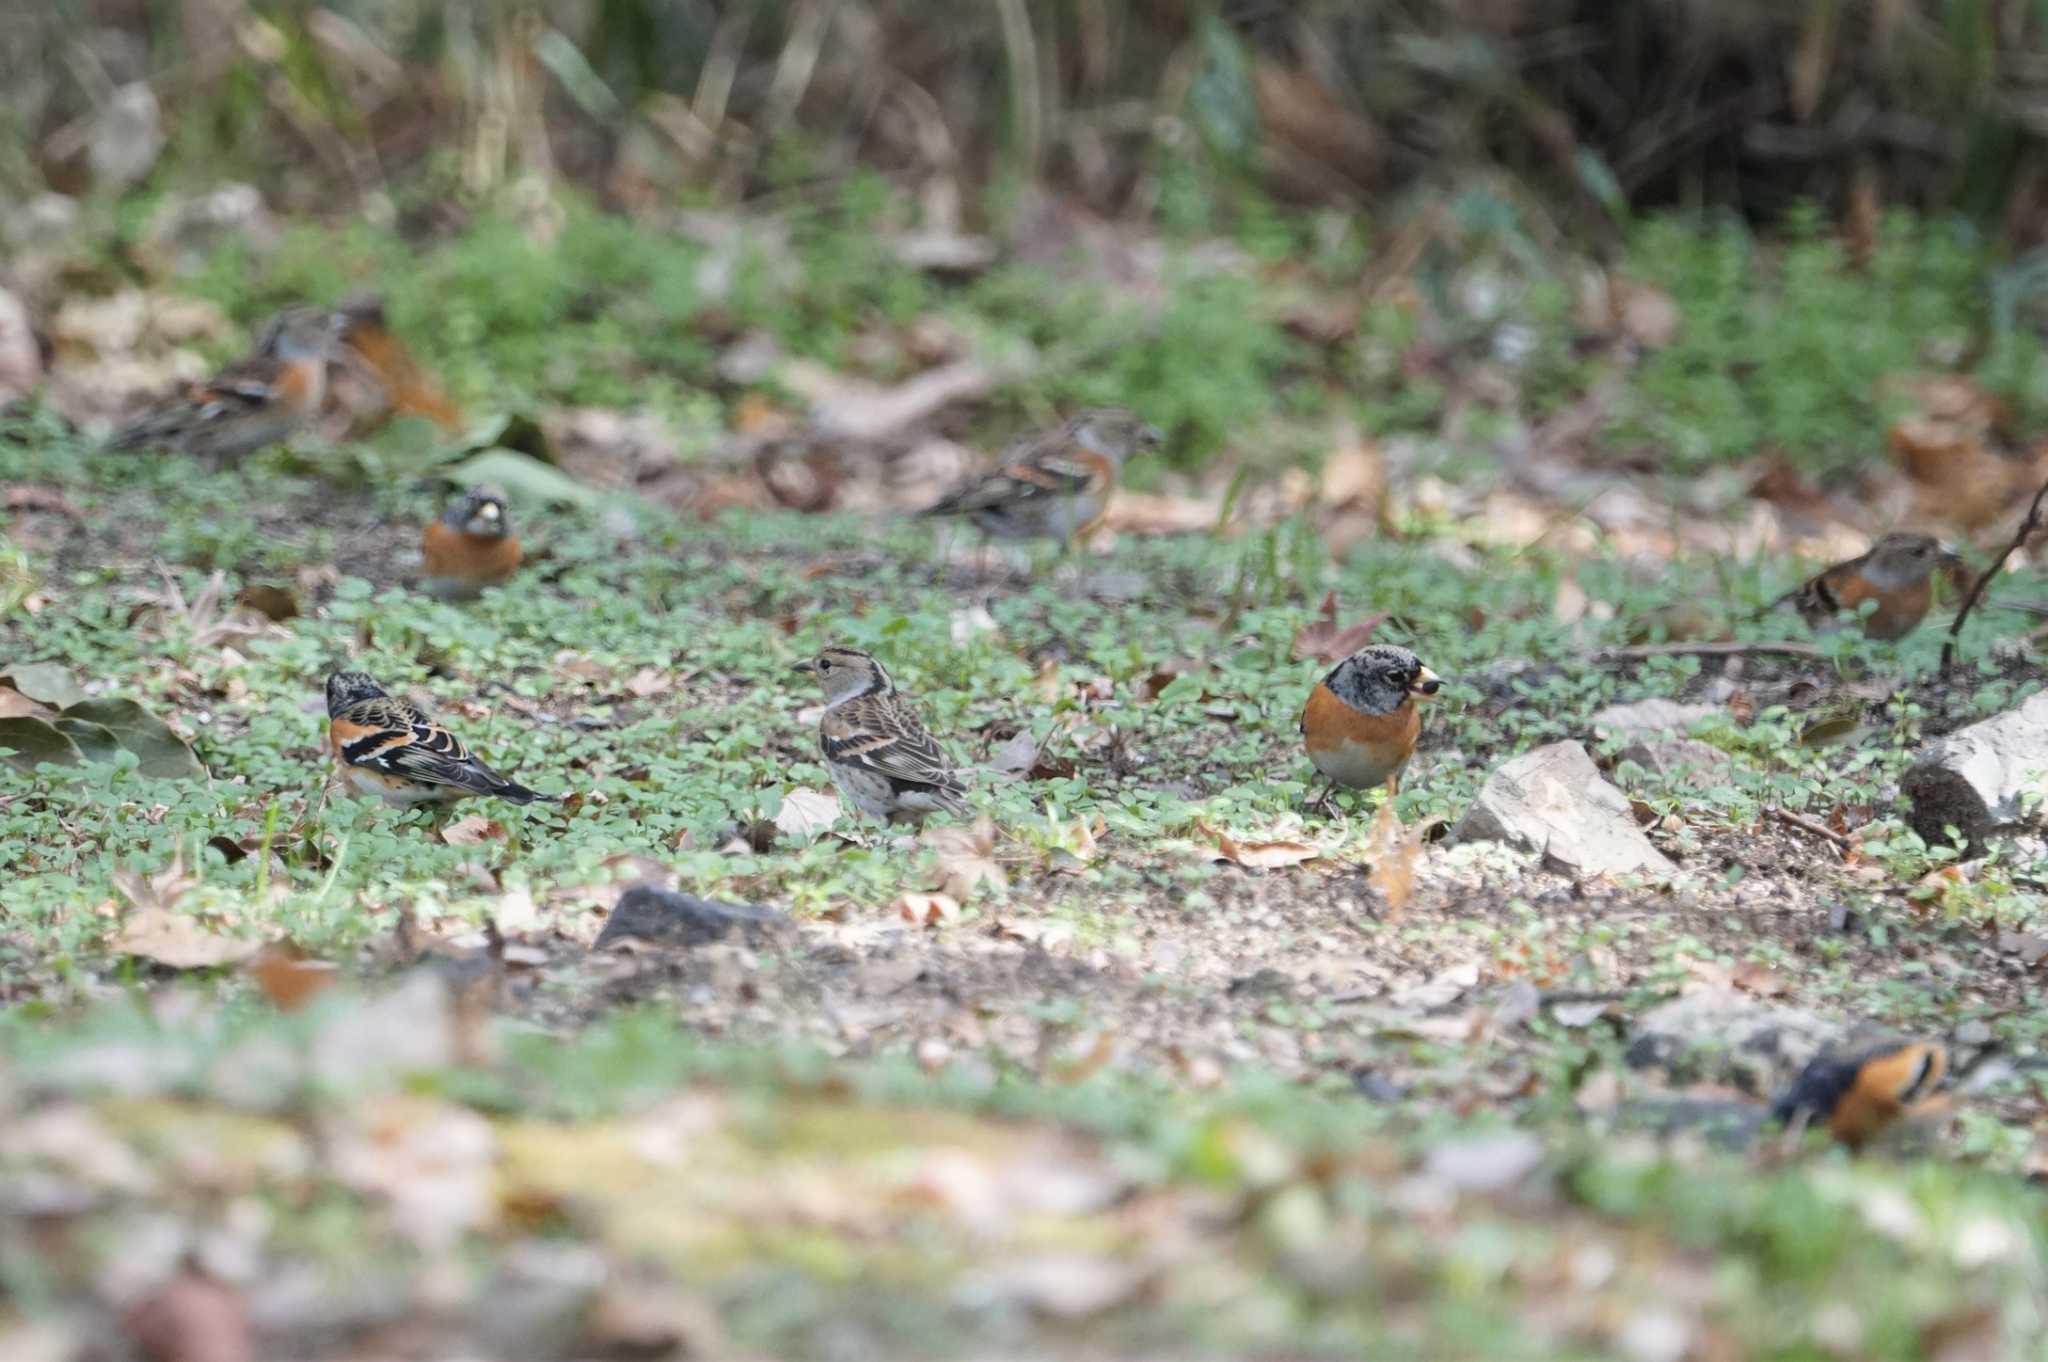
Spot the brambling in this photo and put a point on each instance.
(389, 748)
(1858, 1097)
(470, 547)
(881, 757)
(1895, 573)
(1361, 721)
(407, 388)
(1053, 485)
(256, 401)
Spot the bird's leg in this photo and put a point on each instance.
(1321, 803)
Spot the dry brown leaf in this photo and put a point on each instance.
(1355, 474)
(649, 682)
(178, 940)
(806, 814)
(927, 910)
(472, 829)
(289, 977)
(1046, 681)
(191, 1318)
(966, 857)
(1276, 855)
(1393, 860)
(1165, 674)
(1015, 758)
(756, 414)
(1649, 316)
(33, 496)
(1079, 839)
(1088, 1064)
(1754, 977)
(1159, 513)
(274, 603)
(1322, 640)
(15, 705)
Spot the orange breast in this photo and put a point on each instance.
(1899, 612)
(1352, 747)
(406, 385)
(1885, 1089)
(301, 384)
(469, 557)
(1102, 477)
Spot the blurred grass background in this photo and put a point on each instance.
(1829, 193)
(1586, 112)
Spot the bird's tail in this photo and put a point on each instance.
(512, 792)
(142, 434)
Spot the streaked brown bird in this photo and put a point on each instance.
(256, 401)
(1053, 485)
(391, 749)
(879, 752)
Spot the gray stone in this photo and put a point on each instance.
(1674, 756)
(668, 917)
(1718, 1035)
(1983, 777)
(1552, 800)
(1650, 716)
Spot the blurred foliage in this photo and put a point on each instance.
(586, 203)
(1751, 105)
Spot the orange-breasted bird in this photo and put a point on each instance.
(256, 401)
(391, 749)
(1362, 719)
(1897, 574)
(1857, 1097)
(407, 388)
(1055, 484)
(471, 546)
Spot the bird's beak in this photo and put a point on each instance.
(807, 667)
(489, 511)
(1948, 553)
(1425, 684)
(1152, 436)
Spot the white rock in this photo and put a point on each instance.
(1981, 777)
(1553, 799)
(1650, 716)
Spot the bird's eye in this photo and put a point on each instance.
(1397, 677)
(823, 665)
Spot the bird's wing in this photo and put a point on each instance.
(1040, 466)
(394, 738)
(882, 736)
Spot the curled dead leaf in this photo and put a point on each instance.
(472, 829)
(927, 910)
(1322, 640)
(191, 1318)
(289, 977)
(1393, 859)
(1274, 855)
(1086, 1065)
(274, 603)
(966, 857)
(806, 814)
(1754, 977)
(1015, 758)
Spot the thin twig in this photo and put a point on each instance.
(1805, 824)
(2031, 523)
(1734, 648)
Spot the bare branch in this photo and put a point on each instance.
(2029, 525)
